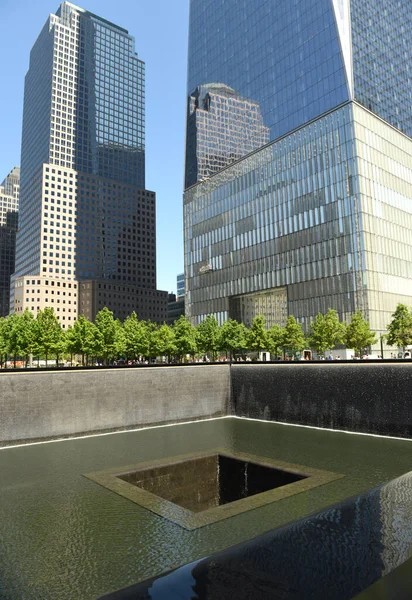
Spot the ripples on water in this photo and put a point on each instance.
(63, 537)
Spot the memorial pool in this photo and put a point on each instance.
(64, 536)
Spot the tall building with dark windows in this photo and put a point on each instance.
(87, 224)
(9, 206)
(321, 215)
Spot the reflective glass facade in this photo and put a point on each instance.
(9, 205)
(382, 58)
(222, 126)
(109, 113)
(180, 284)
(299, 59)
(285, 56)
(324, 213)
(384, 165)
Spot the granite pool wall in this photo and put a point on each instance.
(364, 397)
(355, 396)
(45, 404)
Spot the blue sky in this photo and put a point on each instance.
(160, 31)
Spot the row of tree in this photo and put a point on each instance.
(107, 338)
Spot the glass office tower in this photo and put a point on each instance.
(85, 215)
(321, 216)
(9, 206)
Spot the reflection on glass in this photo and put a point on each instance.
(222, 126)
(110, 104)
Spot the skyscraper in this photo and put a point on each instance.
(321, 216)
(9, 206)
(85, 215)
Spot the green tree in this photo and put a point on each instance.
(48, 332)
(358, 333)
(136, 337)
(327, 331)
(28, 341)
(232, 337)
(208, 334)
(400, 327)
(275, 335)
(12, 333)
(110, 335)
(257, 337)
(185, 337)
(293, 338)
(82, 338)
(163, 341)
(3, 340)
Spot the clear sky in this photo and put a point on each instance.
(160, 32)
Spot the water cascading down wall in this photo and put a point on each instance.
(355, 396)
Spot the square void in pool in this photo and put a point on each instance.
(208, 481)
(203, 488)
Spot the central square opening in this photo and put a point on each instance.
(199, 484)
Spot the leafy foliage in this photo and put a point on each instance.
(108, 338)
(110, 335)
(275, 339)
(208, 336)
(185, 337)
(163, 341)
(48, 332)
(358, 333)
(82, 338)
(232, 337)
(400, 327)
(257, 338)
(293, 338)
(327, 331)
(136, 337)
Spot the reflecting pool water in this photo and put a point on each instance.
(63, 536)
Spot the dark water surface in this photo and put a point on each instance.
(63, 537)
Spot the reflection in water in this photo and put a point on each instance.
(334, 554)
(222, 126)
(174, 586)
(62, 537)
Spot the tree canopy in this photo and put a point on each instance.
(208, 336)
(232, 337)
(293, 337)
(400, 327)
(326, 331)
(185, 337)
(108, 339)
(257, 337)
(358, 333)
